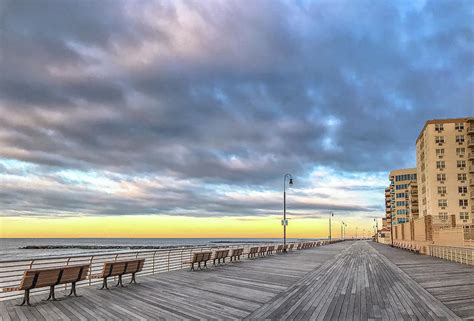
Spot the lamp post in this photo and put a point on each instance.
(285, 222)
(330, 215)
(376, 230)
(391, 228)
(342, 225)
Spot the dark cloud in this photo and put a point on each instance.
(226, 92)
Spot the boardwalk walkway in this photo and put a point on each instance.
(342, 281)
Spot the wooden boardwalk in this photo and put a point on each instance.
(342, 281)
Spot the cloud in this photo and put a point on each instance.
(221, 94)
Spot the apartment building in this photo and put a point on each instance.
(412, 201)
(399, 195)
(445, 170)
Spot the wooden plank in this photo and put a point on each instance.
(344, 281)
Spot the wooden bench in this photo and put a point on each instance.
(253, 252)
(200, 257)
(118, 269)
(220, 255)
(270, 249)
(291, 247)
(262, 251)
(279, 248)
(40, 278)
(235, 254)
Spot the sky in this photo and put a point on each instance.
(180, 118)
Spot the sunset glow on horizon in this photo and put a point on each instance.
(155, 226)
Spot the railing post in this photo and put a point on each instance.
(169, 253)
(67, 263)
(90, 270)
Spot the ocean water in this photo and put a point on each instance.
(12, 248)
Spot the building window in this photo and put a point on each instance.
(439, 127)
(462, 177)
(459, 138)
(439, 139)
(463, 203)
(439, 151)
(462, 189)
(442, 203)
(440, 165)
(460, 151)
(441, 189)
(464, 215)
(441, 177)
(401, 186)
(443, 216)
(461, 164)
(401, 195)
(459, 126)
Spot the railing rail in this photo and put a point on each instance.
(156, 261)
(463, 255)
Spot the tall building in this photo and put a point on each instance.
(401, 183)
(445, 169)
(412, 200)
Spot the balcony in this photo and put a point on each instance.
(471, 155)
(470, 129)
(470, 142)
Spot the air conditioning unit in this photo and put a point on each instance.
(440, 144)
(464, 207)
(463, 194)
(464, 221)
(461, 155)
(443, 207)
(463, 181)
(443, 194)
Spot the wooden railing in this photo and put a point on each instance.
(463, 255)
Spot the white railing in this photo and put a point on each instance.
(463, 255)
(156, 261)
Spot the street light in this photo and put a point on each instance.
(330, 215)
(342, 225)
(391, 227)
(376, 230)
(285, 221)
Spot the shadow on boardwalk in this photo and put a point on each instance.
(342, 281)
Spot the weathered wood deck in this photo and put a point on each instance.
(342, 281)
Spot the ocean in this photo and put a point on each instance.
(31, 248)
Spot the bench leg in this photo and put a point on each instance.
(104, 284)
(133, 280)
(192, 266)
(199, 265)
(73, 289)
(26, 299)
(205, 264)
(119, 281)
(51, 294)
